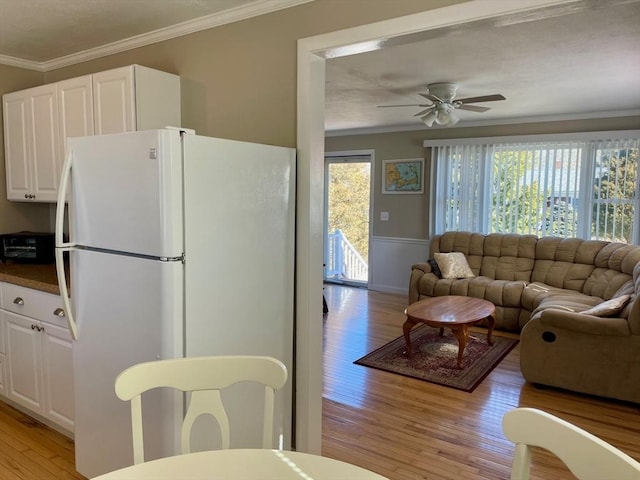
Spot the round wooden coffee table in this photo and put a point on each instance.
(451, 311)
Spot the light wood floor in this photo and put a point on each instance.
(31, 451)
(409, 429)
(402, 428)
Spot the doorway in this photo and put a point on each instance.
(347, 226)
(312, 54)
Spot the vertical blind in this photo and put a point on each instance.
(564, 187)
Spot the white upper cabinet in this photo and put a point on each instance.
(15, 107)
(113, 101)
(75, 109)
(135, 98)
(38, 121)
(32, 145)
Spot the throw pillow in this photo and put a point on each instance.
(434, 267)
(608, 308)
(627, 288)
(453, 265)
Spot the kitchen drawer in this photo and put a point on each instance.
(32, 303)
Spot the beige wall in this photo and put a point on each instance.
(16, 216)
(409, 214)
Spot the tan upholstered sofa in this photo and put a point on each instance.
(540, 287)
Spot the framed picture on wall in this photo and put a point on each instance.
(403, 176)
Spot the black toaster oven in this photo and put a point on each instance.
(27, 247)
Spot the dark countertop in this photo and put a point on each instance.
(38, 277)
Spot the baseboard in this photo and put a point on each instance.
(389, 289)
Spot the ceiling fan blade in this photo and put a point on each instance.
(485, 98)
(473, 108)
(431, 97)
(419, 114)
(405, 105)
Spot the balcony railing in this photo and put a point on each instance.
(343, 260)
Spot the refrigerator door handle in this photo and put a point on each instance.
(64, 293)
(61, 246)
(63, 190)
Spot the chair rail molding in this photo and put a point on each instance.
(390, 262)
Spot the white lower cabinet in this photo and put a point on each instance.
(3, 382)
(38, 354)
(3, 375)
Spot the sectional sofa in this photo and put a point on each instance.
(576, 304)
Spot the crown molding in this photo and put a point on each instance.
(242, 12)
(484, 123)
(20, 63)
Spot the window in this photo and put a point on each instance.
(562, 185)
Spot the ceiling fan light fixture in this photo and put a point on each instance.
(429, 118)
(443, 114)
(453, 119)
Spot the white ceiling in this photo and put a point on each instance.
(42, 30)
(583, 63)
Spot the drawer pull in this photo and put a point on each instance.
(59, 312)
(18, 301)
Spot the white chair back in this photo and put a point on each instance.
(587, 456)
(204, 377)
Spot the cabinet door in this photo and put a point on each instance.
(113, 101)
(44, 141)
(57, 361)
(16, 145)
(75, 108)
(24, 361)
(3, 377)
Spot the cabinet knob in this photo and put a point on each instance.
(58, 312)
(18, 301)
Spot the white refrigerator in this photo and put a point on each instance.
(178, 245)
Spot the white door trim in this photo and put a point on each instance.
(312, 52)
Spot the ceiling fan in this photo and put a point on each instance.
(443, 103)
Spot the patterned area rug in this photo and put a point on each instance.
(434, 357)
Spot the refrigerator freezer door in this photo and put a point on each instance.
(126, 192)
(239, 247)
(129, 310)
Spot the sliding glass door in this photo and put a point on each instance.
(347, 204)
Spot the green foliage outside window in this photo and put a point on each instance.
(349, 203)
(614, 192)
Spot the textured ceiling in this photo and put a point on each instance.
(41, 30)
(580, 64)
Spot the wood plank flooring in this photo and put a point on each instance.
(408, 429)
(402, 428)
(30, 450)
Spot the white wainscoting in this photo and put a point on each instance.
(390, 262)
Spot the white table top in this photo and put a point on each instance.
(240, 464)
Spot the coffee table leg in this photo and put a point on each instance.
(461, 334)
(492, 321)
(406, 329)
